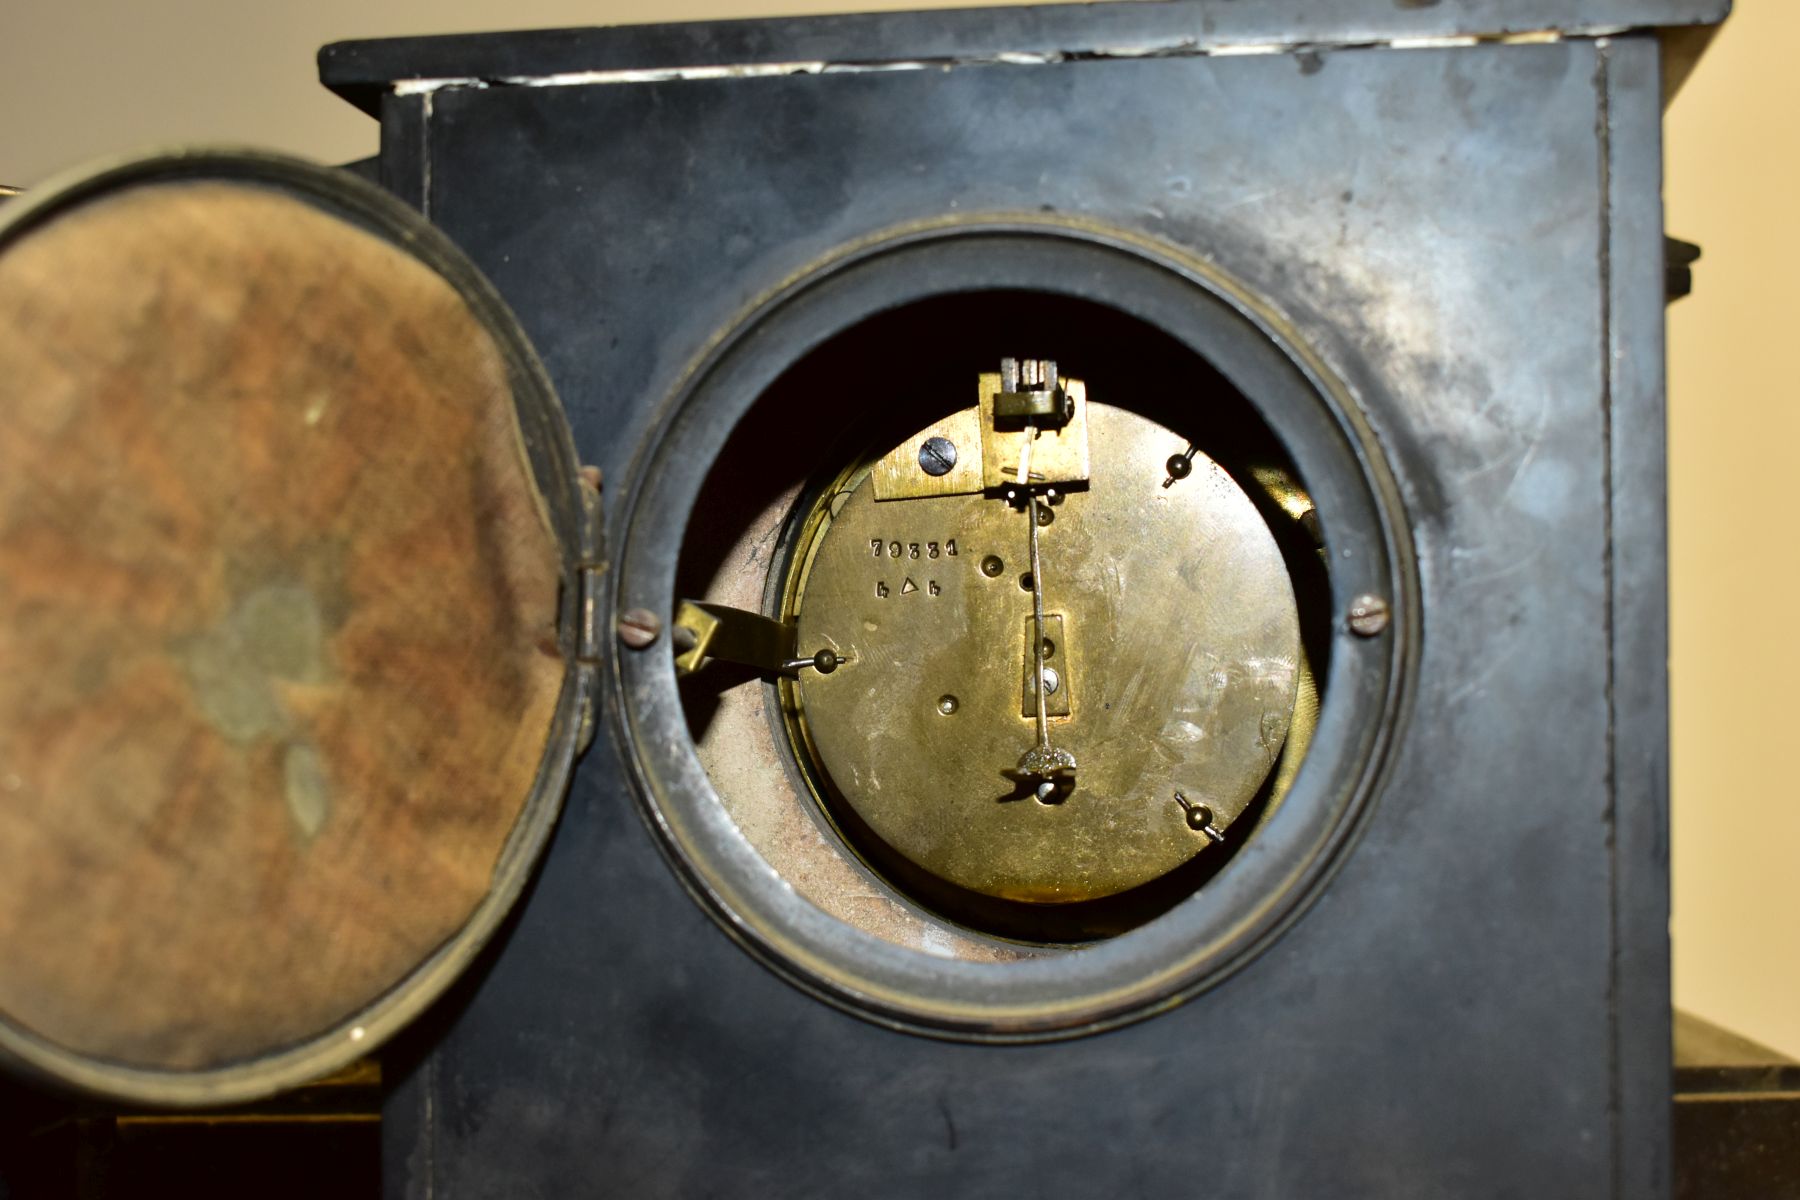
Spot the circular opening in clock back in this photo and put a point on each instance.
(1005, 623)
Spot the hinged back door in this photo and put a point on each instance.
(292, 550)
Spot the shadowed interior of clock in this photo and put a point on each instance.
(1003, 620)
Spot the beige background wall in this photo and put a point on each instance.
(79, 79)
(1733, 162)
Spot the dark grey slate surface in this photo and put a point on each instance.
(1468, 1008)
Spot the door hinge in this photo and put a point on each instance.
(590, 577)
(590, 614)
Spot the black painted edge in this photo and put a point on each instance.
(1630, 108)
(402, 166)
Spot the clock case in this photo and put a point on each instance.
(1458, 206)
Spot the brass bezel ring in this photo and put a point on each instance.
(1203, 939)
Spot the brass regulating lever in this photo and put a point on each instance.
(704, 632)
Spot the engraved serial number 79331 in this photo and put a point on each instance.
(882, 548)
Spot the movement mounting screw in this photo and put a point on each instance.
(1368, 615)
(639, 628)
(937, 456)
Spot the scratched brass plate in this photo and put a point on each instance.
(989, 457)
(1178, 651)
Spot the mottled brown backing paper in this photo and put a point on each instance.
(278, 603)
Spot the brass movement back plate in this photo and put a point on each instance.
(1176, 640)
(278, 622)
